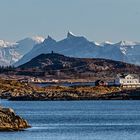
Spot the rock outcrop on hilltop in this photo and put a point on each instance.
(9, 121)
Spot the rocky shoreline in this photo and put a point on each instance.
(15, 90)
(9, 121)
(125, 95)
(76, 93)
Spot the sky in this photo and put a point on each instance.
(98, 20)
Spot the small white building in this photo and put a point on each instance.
(42, 80)
(127, 80)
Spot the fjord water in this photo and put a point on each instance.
(77, 120)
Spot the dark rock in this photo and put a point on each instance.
(9, 121)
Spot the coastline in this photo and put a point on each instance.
(18, 91)
(113, 96)
(76, 93)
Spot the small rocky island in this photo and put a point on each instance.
(9, 121)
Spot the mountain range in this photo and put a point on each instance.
(81, 47)
(74, 46)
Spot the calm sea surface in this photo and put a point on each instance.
(77, 120)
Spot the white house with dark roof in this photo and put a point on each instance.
(127, 80)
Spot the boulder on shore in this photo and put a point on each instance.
(9, 121)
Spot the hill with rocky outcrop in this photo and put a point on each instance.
(60, 65)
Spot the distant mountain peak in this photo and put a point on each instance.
(126, 43)
(35, 39)
(49, 39)
(70, 34)
(38, 39)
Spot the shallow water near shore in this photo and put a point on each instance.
(76, 120)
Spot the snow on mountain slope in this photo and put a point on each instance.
(79, 46)
(8, 56)
(5, 44)
(25, 45)
(125, 51)
(12, 52)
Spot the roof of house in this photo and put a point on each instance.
(125, 75)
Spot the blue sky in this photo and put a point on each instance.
(98, 20)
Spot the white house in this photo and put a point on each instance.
(127, 80)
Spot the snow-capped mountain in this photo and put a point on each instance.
(25, 45)
(38, 49)
(79, 46)
(12, 52)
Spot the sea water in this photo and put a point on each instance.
(76, 120)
